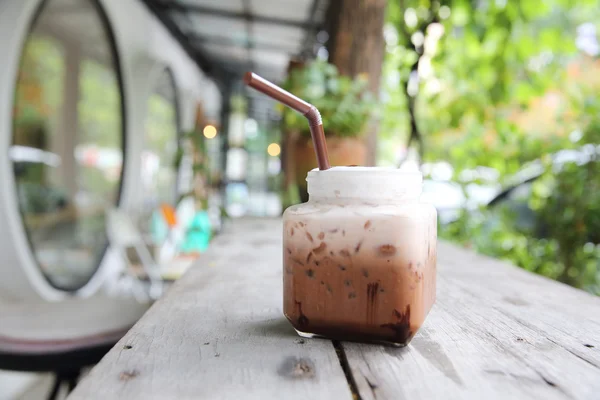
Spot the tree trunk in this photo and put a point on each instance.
(357, 47)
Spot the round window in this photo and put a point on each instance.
(159, 158)
(68, 138)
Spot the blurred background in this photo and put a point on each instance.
(128, 139)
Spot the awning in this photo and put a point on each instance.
(228, 37)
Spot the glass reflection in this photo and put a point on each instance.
(159, 172)
(67, 150)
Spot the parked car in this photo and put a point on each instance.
(516, 194)
(449, 197)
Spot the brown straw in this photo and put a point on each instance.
(308, 110)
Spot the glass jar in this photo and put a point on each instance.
(359, 257)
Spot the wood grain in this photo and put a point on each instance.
(496, 332)
(219, 333)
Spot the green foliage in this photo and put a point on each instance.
(161, 140)
(476, 62)
(567, 204)
(501, 84)
(39, 86)
(345, 104)
(290, 196)
(563, 242)
(194, 145)
(238, 104)
(99, 106)
(38, 117)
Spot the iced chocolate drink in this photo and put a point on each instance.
(360, 256)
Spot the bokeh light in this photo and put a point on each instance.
(209, 131)
(274, 149)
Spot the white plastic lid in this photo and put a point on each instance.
(365, 183)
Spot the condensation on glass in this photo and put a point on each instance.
(159, 157)
(67, 149)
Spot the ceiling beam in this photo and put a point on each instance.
(199, 9)
(222, 74)
(227, 41)
(203, 62)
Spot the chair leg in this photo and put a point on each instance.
(55, 387)
(72, 382)
(68, 377)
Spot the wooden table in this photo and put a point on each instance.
(496, 332)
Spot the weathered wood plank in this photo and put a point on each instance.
(568, 316)
(219, 333)
(496, 332)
